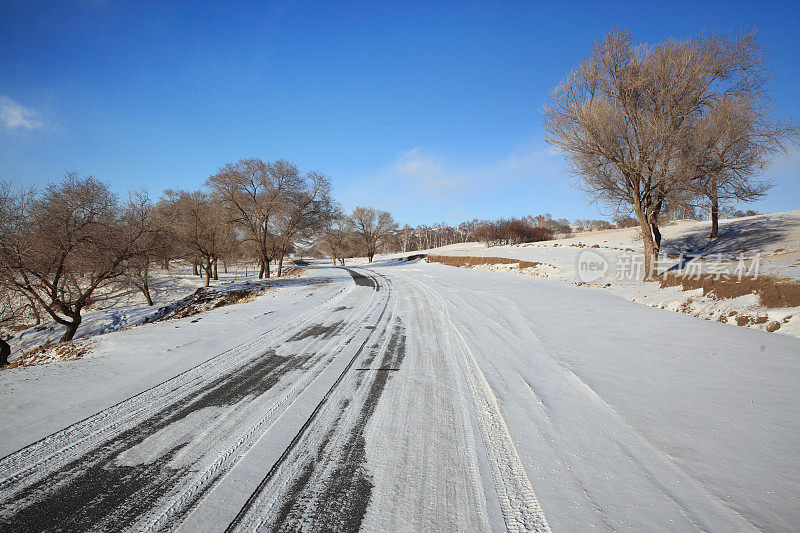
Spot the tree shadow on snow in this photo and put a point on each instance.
(735, 237)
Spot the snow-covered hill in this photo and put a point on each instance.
(765, 245)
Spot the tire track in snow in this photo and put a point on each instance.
(655, 483)
(423, 443)
(16, 465)
(518, 503)
(323, 483)
(102, 436)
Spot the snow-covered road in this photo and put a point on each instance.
(418, 397)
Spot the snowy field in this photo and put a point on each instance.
(410, 396)
(768, 245)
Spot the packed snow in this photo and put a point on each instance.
(503, 402)
(408, 395)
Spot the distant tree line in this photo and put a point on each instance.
(341, 238)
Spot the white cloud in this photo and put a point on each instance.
(532, 161)
(417, 184)
(418, 164)
(14, 115)
(426, 169)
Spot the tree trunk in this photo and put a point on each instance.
(651, 250)
(714, 219)
(208, 272)
(5, 351)
(194, 268)
(72, 328)
(216, 274)
(656, 236)
(651, 239)
(146, 291)
(165, 266)
(280, 265)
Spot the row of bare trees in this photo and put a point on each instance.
(511, 231)
(58, 246)
(345, 237)
(272, 204)
(367, 231)
(651, 128)
(341, 240)
(363, 233)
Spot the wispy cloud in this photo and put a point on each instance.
(426, 169)
(435, 173)
(15, 116)
(421, 186)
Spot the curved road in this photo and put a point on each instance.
(417, 399)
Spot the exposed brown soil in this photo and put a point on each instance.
(772, 292)
(468, 261)
(773, 326)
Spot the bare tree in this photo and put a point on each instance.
(252, 193)
(335, 238)
(203, 228)
(732, 146)
(372, 226)
(59, 246)
(154, 245)
(7, 315)
(306, 208)
(625, 116)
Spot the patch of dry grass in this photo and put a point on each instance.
(50, 353)
(204, 299)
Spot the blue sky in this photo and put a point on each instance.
(431, 110)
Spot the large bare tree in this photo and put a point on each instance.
(61, 245)
(373, 227)
(625, 116)
(155, 246)
(202, 227)
(335, 238)
(306, 208)
(253, 193)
